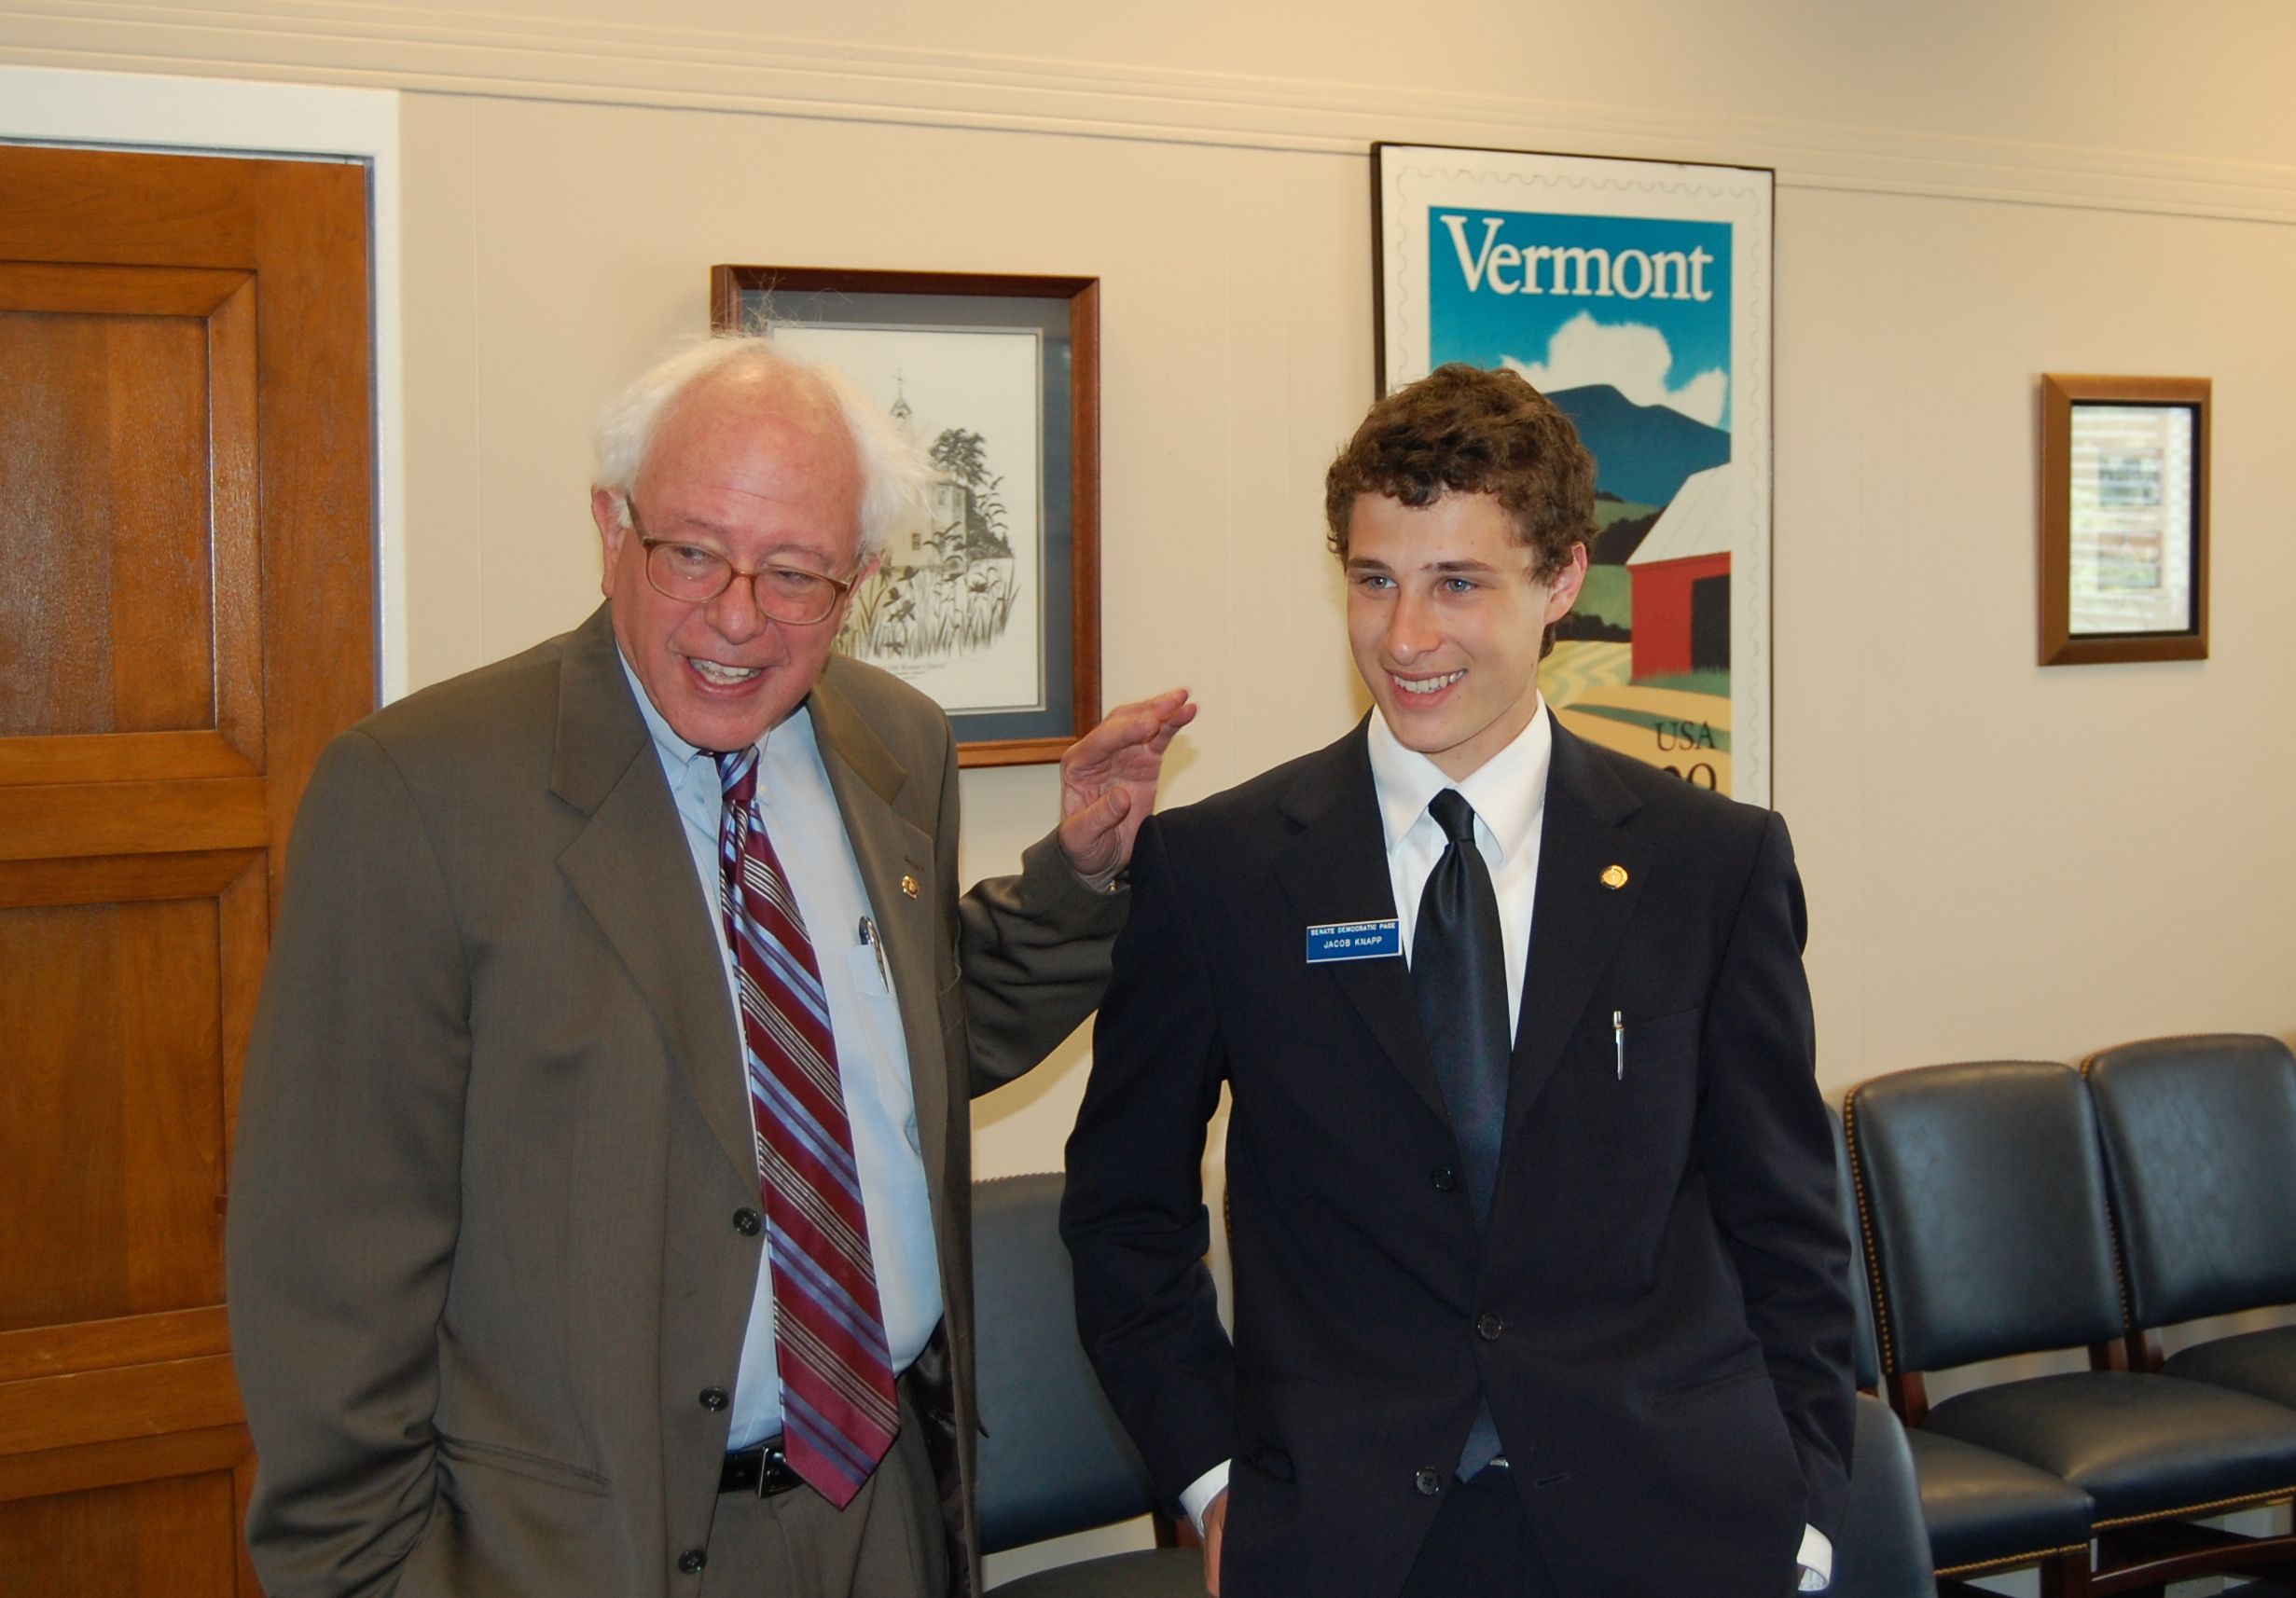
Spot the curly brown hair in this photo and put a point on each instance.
(1461, 430)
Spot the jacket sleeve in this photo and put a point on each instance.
(1133, 1214)
(1032, 950)
(345, 1193)
(1768, 1151)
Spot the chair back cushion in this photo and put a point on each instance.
(1983, 1192)
(2200, 1149)
(1053, 1457)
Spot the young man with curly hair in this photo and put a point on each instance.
(1540, 1283)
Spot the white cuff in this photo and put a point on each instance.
(1817, 1561)
(1198, 1497)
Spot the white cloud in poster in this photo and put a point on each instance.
(1633, 359)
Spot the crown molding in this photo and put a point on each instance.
(625, 63)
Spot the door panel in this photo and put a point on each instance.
(125, 1044)
(186, 617)
(147, 1537)
(134, 404)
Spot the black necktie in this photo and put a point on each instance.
(1459, 969)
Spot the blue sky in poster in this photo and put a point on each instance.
(1640, 303)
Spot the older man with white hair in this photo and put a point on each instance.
(598, 1223)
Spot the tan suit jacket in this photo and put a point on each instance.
(492, 1139)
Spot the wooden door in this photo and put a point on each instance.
(186, 617)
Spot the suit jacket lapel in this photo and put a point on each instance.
(866, 779)
(632, 871)
(1335, 870)
(1576, 920)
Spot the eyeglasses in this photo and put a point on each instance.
(695, 575)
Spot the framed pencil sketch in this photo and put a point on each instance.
(993, 609)
(1635, 295)
(2124, 519)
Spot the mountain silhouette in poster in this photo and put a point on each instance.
(1642, 452)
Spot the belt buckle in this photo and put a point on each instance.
(766, 1467)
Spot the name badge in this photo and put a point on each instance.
(1355, 940)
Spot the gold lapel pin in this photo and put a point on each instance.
(908, 884)
(1614, 877)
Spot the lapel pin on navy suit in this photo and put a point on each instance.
(1614, 877)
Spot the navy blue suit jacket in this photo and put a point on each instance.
(1658, 1313)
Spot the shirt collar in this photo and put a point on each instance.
(1507, 791)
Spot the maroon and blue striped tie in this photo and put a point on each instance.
(839, 1414)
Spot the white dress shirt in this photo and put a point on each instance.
(873, 1059)
(1508, 793)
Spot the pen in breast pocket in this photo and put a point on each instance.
(871, 941)
(1618, 1039)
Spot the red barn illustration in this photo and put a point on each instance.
(1681, 577)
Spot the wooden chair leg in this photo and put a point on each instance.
(2065, 1575)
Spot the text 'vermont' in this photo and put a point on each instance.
(1575, 271)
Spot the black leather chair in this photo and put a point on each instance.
(1054, 1460)
(1982, 1511)
(2200, 1152)
(1982, 1188)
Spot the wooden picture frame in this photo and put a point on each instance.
(2123, 518)
(995, 609)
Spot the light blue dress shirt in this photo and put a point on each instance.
(873, 1059)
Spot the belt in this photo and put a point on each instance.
(763, 1470)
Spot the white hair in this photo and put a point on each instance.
(894, 476)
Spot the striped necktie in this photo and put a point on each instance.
(839, 1414)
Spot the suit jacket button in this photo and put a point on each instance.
(1429, 1480)
(713, 1399)
(1490, 1327)
(1443, 1179)
(748, 1223)
(692, 1560)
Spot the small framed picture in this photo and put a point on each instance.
(2124, 519)
(993, 609)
